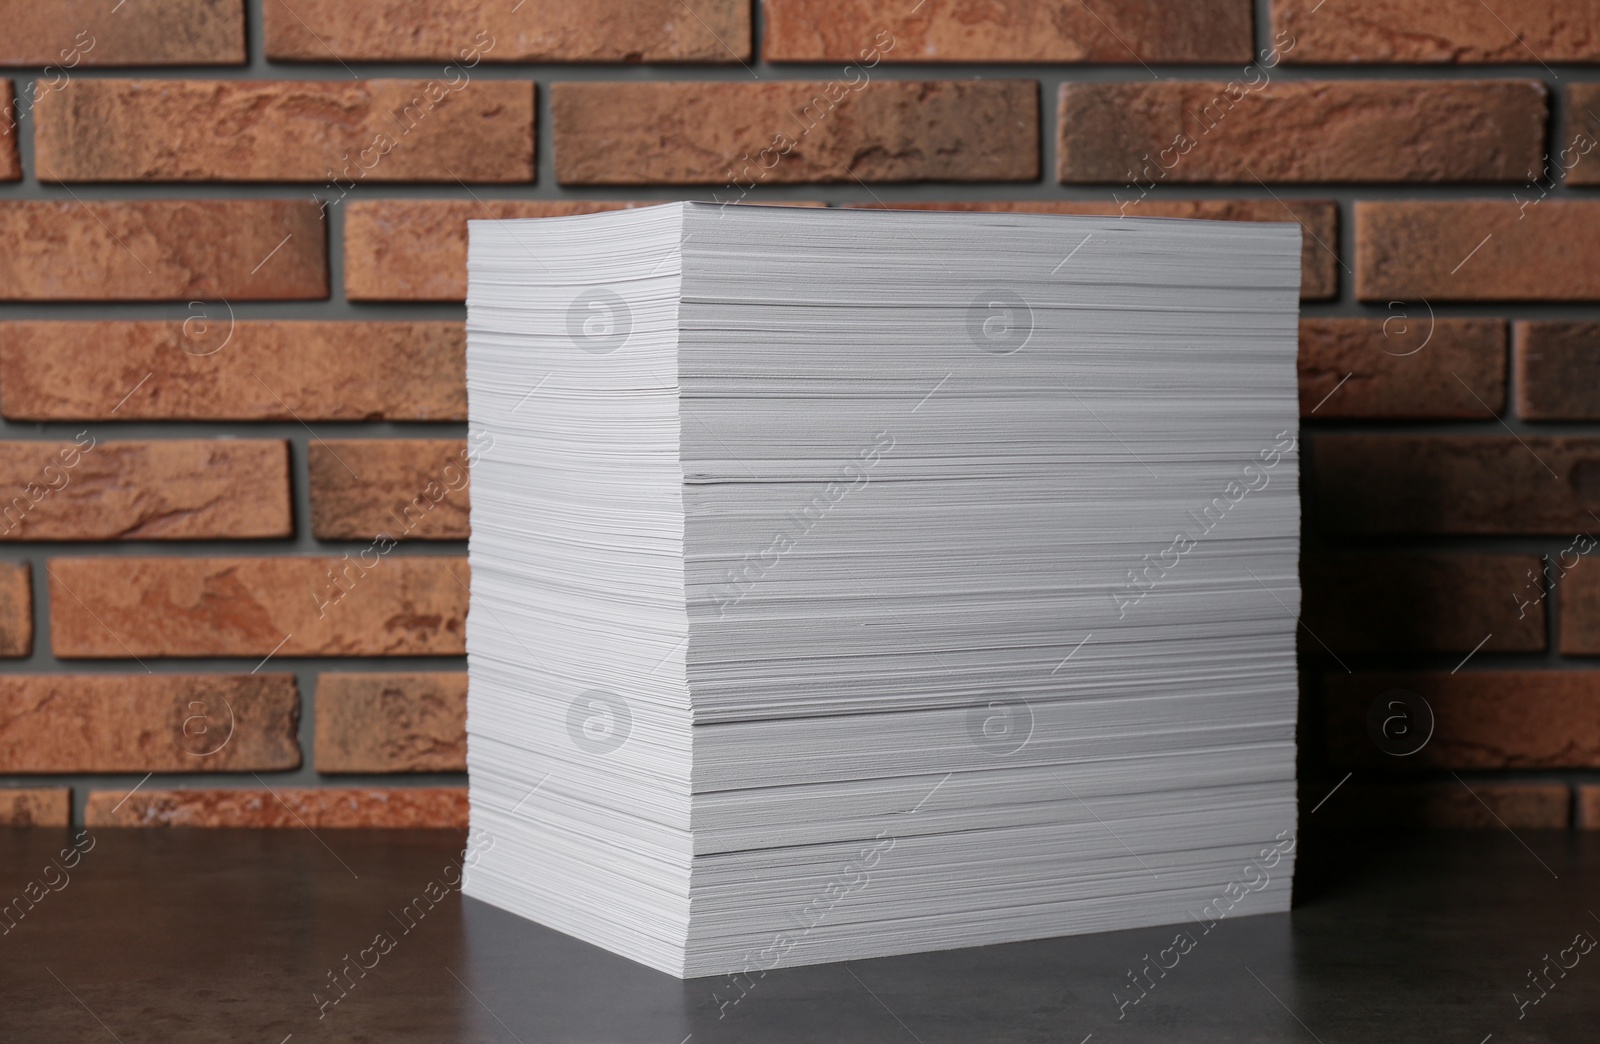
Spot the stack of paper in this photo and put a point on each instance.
(852, 582)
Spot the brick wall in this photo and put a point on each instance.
(232, 573)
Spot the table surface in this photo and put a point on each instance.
(231, 935)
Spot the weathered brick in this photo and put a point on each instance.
(1452, 805)
(36, 807)
(1558, 370)
(170, 489)
(392, 722)
(1008, 31)
(10, 161)
(1588, 802)
(336, 132)
(296, 808)
(68, 34)
(1404, 366)
(739, 134)
(561, 31)
(1482, 719)
(416, 249)
(362, 604)
(1502, 484)
(1446, 31)
(149, 723)
(1576, 152)
(1444, 602)
(214, 367)
(1578, 623)
(1350, 131)
(1319, 278)
(16, 610)
(1478, 250)
(162, 250)
(405, 489)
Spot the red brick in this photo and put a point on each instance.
(1446, 31)
(1403, 366)
(1478, 250)
(36, 807)
(1578, 623)
(406, 489)
(16, 611)
(392, 722)
(293, 130)
(736, 134)
(1482, 719)
(119, 607)
(171, 489)
(294, 808)
(1416, 603)
(551, 31)
(416, 249)
(1346, 131)
(149, 723)
(1452, 805)
(1318, 262)
(10, 162)
(215, 367)
(1558, 370)
(1576, 157)
(68, 34)
(1008, 31)
(1588, 802)
(162, 250)
(1367, 484)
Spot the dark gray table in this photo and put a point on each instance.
(173, 936)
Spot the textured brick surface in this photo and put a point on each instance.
(72, 33)
(10, 161)
(416, 249)
(406, 489)
(1558, 370)
(1008, 31)
(213, 367)
(1576, 151)
(16, 610)
(362, 604)
(1476, 805)
(1417, 603)
(35, 806)
(1578, 626)
(1482, 719)
(162, 250)
(334, 133)
(1478, 250)
(392, 722)
(297, 808)
(1588, 803)
(548, 31)
(1233, 131)
(149, 723)
(1411, 31)
(1409, 365)
(774, 133)
(1367, 484)
(171, 489)
(1319, 277)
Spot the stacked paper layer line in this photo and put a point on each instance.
(848, 583)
